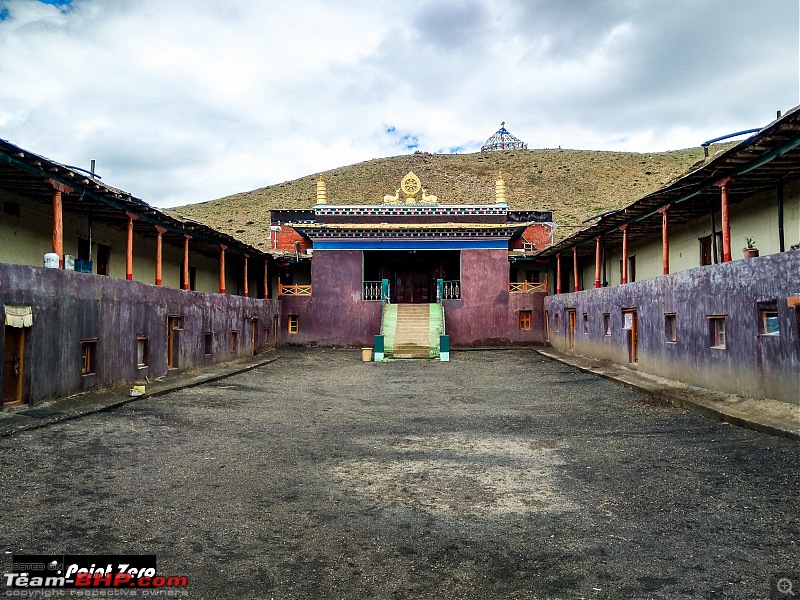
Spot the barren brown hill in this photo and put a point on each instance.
(574, 184)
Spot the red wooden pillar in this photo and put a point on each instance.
(245, 275)
(726, 226)
(575, 266)
(266, 279)
(558, 273)
(597, 261)
(186, 239)
(624, 229)
(222, 248)
(58, 219)
(664, 238)
(129, 249)
(160, 231)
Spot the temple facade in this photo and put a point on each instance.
(346, 273)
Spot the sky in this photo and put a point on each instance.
(183, 101)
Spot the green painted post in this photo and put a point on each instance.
(444, 348)
(378, 353)
(439, 290)
(385, 290)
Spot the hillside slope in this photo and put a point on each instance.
(574, 184)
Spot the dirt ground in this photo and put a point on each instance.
(499, 475)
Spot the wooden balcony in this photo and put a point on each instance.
(294, 290)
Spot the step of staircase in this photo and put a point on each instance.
(412, 330)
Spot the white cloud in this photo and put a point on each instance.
(184, 101)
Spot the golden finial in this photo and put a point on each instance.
(322, 191)
(500, 189)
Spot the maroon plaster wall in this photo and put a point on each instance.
(69, 307)
(487, 314)
(334, 315)
(752, 364)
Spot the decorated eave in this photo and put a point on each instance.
(761, 162)
(33, 177)
(411, 230)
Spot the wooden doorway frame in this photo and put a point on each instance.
(20, 353)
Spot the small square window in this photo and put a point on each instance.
(606, 323)
(585, 324)
(768, 323)
(234, 340)
(209, 342)
(670, 327)
(716, 331)
(525, 320)
(88, 356)
(141, 351)
(294, 323)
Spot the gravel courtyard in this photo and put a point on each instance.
(499, 475)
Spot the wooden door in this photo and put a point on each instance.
(631, 323)
(573, 323)
(13, 364)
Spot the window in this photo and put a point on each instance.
(716, 331)
(141, 351)
(88, 356)
(631, 269)
(208, 343)
(294, 323)
(670, 328)
(547, 325)
(103, 259)
(707, 254)
(234, 340)
(585, 324)
(606, 323)
(556, 322)
(768, 323)
(525, 320)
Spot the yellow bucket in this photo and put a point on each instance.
(366, 354)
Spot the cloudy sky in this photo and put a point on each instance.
(182, 101)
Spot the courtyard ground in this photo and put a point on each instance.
(502, 474)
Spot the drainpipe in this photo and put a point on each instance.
(129, 250)
(159, 234)
(222, 248)
(245, 275)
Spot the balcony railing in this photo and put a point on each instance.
(294, 290)
(527, 286)
(372, 291)
(451, 289)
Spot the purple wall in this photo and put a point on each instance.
(752, 364)
(70, 306)
(487, 314)
(334, 315)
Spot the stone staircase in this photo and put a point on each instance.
(412, 330)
